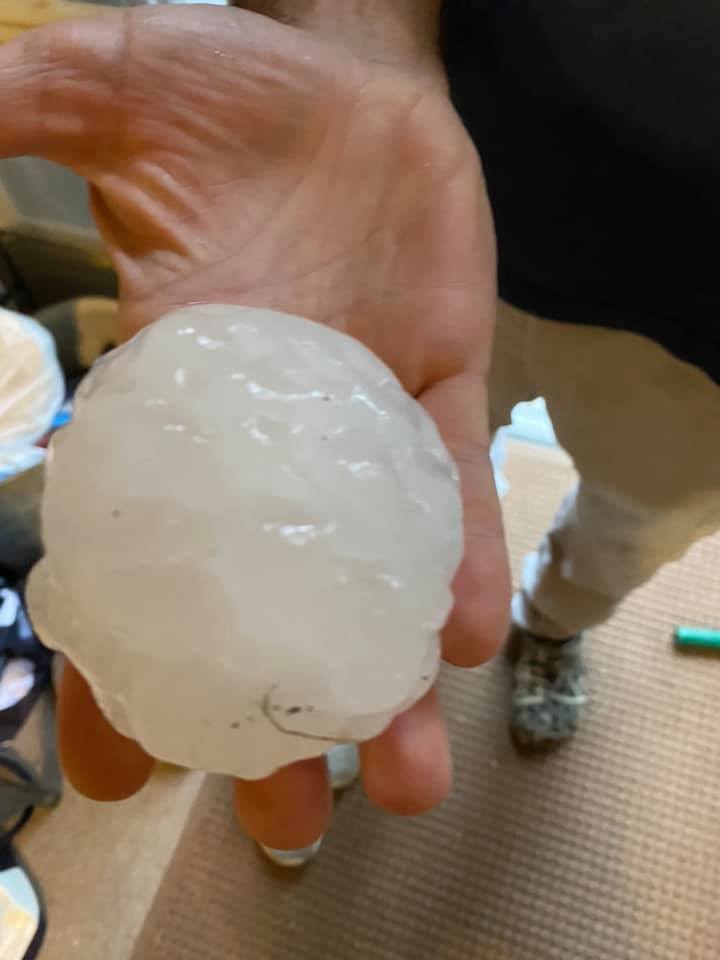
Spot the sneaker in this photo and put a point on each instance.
(548, 692)
(343, 763)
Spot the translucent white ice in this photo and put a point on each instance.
(250, 531)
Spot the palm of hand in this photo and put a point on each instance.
(232, 159)
(233, 156)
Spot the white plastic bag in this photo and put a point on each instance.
(32, 387)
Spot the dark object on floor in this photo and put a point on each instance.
(30, 774)
(548, 692)
(20, 543)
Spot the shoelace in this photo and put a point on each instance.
(533, 672)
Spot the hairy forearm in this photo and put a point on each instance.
(395, 29)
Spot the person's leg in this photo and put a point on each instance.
(600, 548)
(642, 428)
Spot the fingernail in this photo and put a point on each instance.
(343, 763)
(292, 859)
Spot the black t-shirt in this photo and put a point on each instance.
(598, 124)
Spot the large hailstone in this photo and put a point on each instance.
(250, 533)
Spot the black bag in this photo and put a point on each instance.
(30, 774)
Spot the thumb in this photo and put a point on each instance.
(58, 84)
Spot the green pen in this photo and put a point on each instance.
(697, 637)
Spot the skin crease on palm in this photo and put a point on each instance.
(235, 159)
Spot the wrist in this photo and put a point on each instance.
(404, 32)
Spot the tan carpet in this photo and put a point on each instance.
(100, 865)
(607, 850)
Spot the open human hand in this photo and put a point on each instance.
(234, 159)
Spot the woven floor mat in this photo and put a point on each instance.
(608, 849)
